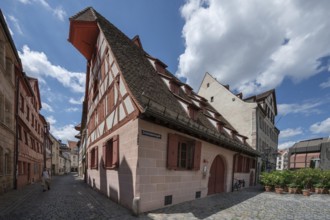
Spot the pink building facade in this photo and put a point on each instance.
(150, 140)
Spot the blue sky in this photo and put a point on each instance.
(251, 45)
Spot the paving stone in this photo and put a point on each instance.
(71, 198)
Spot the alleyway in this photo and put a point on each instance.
(70, 198)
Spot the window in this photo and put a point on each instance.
(183, 153)
(212, 99)
(1, 161)
(95, 88)
(110, 100)
(7, 164)
(94, 158)
(207, 85)
(21, 99)
(26, 138)
(19, 129)
(111, 153)
(8, 113)
(2, 108)
(32, 121)
(193, 113)
(244, 164)
(174, 87)
(27, 113)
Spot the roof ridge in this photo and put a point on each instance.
(82, 12)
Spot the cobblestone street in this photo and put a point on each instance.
(70, 198)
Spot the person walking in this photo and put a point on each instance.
(45, 179)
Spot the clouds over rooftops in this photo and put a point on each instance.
(57, 11)
(253, 45)
(36, 64)
(322, 127)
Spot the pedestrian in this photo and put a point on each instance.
(45, 179)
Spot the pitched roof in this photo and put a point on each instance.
(149, 91)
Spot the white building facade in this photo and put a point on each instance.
(253, 117)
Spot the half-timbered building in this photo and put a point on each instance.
(150, 140)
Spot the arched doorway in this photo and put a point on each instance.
(217, 176)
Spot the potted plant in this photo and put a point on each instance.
(279, 181)
(319, 188)
(267, 180)
(293, 188)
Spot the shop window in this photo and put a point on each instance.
(183, 153)
(111, 153)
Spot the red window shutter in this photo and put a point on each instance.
(104, 156)
(96, 157)
(172, 151)
(115, 151)
(197, 155)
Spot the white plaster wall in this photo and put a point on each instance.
(236, 111)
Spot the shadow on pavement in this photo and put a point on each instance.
(206, 207)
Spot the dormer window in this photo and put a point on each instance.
(188, 89)
(160, 67)
(175, 88)
(193, 112)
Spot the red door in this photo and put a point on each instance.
(217, 176)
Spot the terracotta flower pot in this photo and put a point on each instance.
(268, 188)
(279, 190)
(306, 192)
(293, 190)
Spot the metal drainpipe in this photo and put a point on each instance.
(16, 138)
(232, 176)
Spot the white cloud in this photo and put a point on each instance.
(36, 64)
(47, 107)
(51, 120)
(325, 84)
(304, 108)
(72, 109)
(286, 145)
(253, 45)
(64, 133)
(76, 102)
(15, 22)
(10, 31)
(322, 127)
(290, 132)
(58, 11)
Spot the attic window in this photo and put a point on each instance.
(193, 113)
(95, 88)
(208, 85)
(159, 67)
(212, 98)
(174, 87)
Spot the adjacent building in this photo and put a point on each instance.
(313, 153)
(9, 64)
(282, 162)
(31, 132)
(73, 155)
(55, 155)
(150, 140)
(253, 117)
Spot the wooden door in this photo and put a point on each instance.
(217, 176)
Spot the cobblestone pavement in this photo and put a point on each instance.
(71, 198)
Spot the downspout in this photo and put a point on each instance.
(232, 176)
(16, 137)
